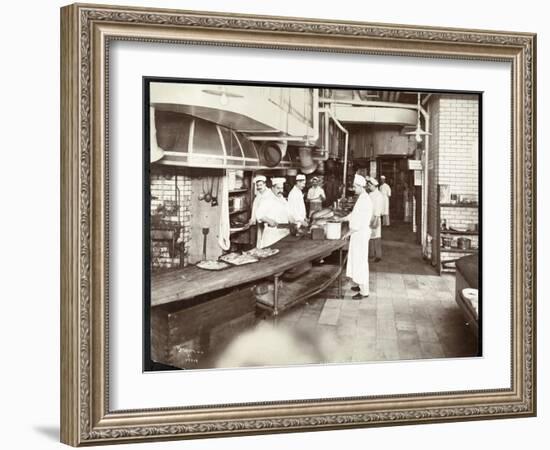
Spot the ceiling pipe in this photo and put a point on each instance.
(426, 99)
(424, 224)
(346, 143)
(373, 103)
(377, 103)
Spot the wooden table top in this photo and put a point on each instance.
(190, 282)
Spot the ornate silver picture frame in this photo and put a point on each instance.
(87, 33)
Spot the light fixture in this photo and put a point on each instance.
(223, 94)
(419, 132)
(223, 99)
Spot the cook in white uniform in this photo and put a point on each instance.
(296, 205)
(262, 192)
(273, 211)
(377, 198)
(315, 196)
(386, 191)
(359, 233)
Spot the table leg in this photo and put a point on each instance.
(340, 294)
(276, 296)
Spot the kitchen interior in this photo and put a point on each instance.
(219, 301)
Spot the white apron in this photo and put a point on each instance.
(274, 208)
(377, 199)
(358, 254)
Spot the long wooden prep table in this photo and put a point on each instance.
(190, 282)
(195, 312)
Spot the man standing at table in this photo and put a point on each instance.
(377, 198)
(262, 192)
(385, 190)
(315, 196)
(359, 234)
(273, 213)
(296, 205)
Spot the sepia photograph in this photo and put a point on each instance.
(295, 225)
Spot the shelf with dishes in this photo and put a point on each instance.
(237, 227)
(458, 250)
(240, 207)
(460, 233)
(459, 205)
(238, 211)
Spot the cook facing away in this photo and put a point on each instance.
(272, 211)
(359, 233)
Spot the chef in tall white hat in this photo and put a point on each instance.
(262, 192)
(359, 234)
(296, 204)
(274, 214)
(385, 190)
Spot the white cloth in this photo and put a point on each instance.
(296, 205)
(378, 204)
(224, 231)
(274, 208)
(386, 191)
(358, 255)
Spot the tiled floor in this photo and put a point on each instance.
(410, 314)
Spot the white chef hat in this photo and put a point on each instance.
(359, 180)
(382, 177)
(260, 178)
(278, 180)
(300, 177)
(373, 181)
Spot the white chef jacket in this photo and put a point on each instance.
(358, 254)
(378, 203)
(274, 208)
(253, 217)
(386, 191)
(296, 205)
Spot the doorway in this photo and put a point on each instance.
(401, 181)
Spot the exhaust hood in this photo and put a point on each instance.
(193, 142)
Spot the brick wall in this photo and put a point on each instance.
(170, 217)
(458, 144)
(453, 160)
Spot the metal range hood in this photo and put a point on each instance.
(189, 141)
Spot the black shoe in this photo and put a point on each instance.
(355, 288)
(358, 296)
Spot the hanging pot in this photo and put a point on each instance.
(306, 161)
(272, 152)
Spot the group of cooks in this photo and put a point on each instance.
(274, 214)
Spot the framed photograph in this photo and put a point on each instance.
(278, 224)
